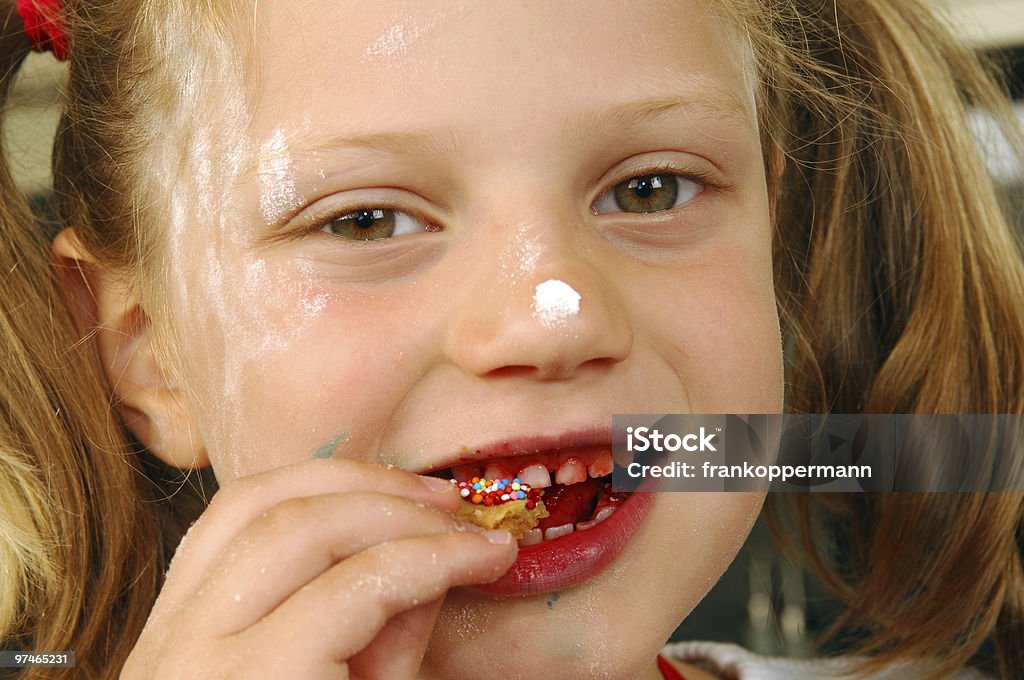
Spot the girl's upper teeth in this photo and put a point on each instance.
(497, 471)
(464, 473)
(602, 465)
(536, 475)
(572, 471)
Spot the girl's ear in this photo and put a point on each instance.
(109, 314)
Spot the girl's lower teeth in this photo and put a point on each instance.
(535, 536)
(557, 532)
(602, 514)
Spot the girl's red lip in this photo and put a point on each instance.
(577, 557)
(524, 445)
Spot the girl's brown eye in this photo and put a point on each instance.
(370, 224)
(647, 194)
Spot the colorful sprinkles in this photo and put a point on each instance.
(497, 491)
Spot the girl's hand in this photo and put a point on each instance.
(312, 571)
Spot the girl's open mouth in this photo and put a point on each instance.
(588, 526)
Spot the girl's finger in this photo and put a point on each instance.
(239, 503)
(296, 541)
(400, 647)
(340, 613)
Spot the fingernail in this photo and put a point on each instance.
(498, 537)
(437, 484)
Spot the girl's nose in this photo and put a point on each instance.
(550, 318)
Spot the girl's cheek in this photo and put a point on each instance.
(715, 322)
(254, 322)
(741, 340)
(298, 366)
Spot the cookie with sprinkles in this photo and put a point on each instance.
(507, 504)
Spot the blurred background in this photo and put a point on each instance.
(763, 602)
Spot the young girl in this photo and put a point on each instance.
(339, 252)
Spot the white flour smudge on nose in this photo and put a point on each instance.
(554, 303)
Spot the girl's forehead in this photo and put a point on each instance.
(518, 67)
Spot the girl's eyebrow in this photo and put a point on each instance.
(725, 107)
(416, 142)
(719, 105)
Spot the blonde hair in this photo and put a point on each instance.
(901, 290)
(884, 216)
(86, 523)
(74, 530)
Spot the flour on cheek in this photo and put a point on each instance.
(202, 160)
(238, 309)
(269, 308)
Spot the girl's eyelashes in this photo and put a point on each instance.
(655, 192)
(373, 223)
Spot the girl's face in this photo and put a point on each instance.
(452, 227)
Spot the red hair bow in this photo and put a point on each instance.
(44, 26)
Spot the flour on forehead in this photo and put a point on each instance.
(393, 41)
(398, 36)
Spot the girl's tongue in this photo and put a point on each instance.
(572, 503)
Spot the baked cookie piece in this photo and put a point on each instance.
(501, 504)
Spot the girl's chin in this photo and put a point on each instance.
(577, 636)
(607, 626)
